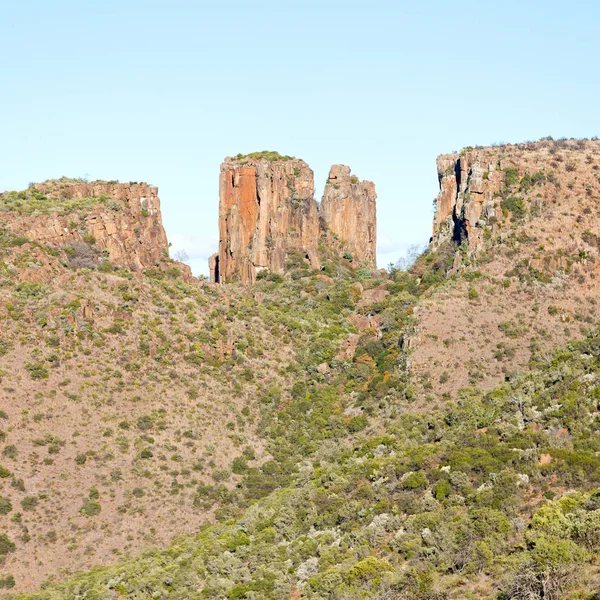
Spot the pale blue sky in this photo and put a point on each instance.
(161, 91)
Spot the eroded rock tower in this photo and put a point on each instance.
(267, 210)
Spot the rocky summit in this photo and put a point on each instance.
(306, 425)
(267, 211)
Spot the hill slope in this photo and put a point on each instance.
(349, 433)
(527, 220)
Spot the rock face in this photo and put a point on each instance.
(348, 210)
(468, 184)
(124, 225)
(267, 211)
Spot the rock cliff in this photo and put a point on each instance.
(122, 221)
(267, 211)
(348, 210)
(469, 183)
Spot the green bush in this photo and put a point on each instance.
(26, 290)
(6, 546)
(29, 503)
(37, 370)
(514, 205)
(7, 582)
(5, 505)
(512, 176)
(357, 423)
(415, 481)
(90, 508)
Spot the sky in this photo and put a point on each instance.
(162, 91)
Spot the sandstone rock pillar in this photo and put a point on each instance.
(348, 210)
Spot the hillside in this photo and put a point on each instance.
(527, 219)
(330, 432)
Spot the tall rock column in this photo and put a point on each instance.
(266, 210)
(348, 211)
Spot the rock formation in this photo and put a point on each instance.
(348, 210)
(124, 225)
(267, 210)
(469, 183)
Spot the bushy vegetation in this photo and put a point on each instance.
(269, 155)
(514, 205)
(365, 496)
(346, 476)
(484, 487)
(34, 202)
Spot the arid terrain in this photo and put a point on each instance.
(306, 425)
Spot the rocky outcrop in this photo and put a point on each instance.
(121, 220)
(348, 211)
(468, 183)
(267, 211)
(213, 267)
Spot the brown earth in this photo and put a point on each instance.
(118, 366)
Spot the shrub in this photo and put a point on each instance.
(221, 474)
(514, 205)
(6, 546)
(357, 423)
(146, 453)
(26, 290)
(368, 569)
(145, 422)
(7, 582)
(29, 503)
(37, 370)
(239, 465)
(5, 505)
(90, 508)
(512, 176)
(415, 481)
